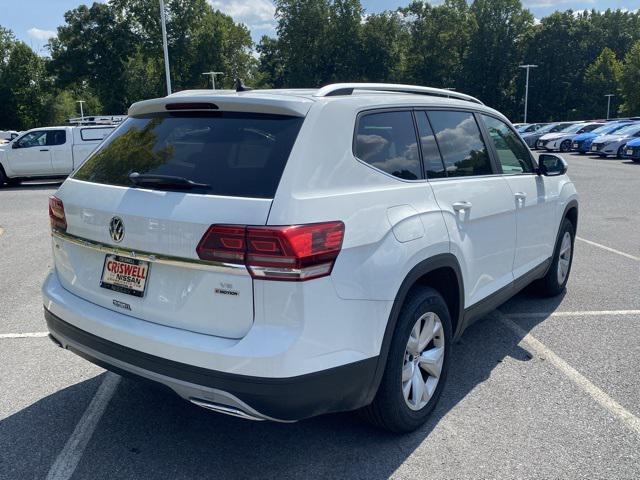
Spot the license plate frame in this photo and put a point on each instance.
(630, 151)
(124, 282)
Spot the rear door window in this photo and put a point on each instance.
(387, 141)
(463, 150)
(233, 154)
(430, 154)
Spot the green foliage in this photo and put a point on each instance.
(630, 81)
(601, 78)
(23, 89)
(110, 55)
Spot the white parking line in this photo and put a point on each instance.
(609, 249)
(579, 313)
(625, 416)
(24, 335)
(70, 456)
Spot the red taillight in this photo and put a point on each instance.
(296, 253)
(56, 214)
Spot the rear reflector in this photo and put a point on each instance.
(295, 252)
(56, 214)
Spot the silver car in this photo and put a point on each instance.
(613, 144)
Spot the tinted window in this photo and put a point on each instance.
(588, 128)
(513, 155)
(430, 153)
(463, 151)
(235, 154)
(56, 137)
(387, 141)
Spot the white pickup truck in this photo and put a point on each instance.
(50, 152)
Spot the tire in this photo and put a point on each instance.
(3, 178)
(555, 280)
(565, 146)
(620, 152)
(390, 409)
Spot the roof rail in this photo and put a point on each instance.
(97, 120)
(348, 88)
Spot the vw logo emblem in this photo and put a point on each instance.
(116, 229)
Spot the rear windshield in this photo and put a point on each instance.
(234, 154)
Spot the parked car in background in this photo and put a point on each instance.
(531, 138)
(236, 256)
(531, 127)
(49, 152)
(7, 135)
(582, 143)
(632, 150)
(613, 143)
(561, 140)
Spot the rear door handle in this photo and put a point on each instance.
(461, 206)
(44, 149)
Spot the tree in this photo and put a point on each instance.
(93, 47)
(303, 41)
(384, 48)
(344, 30)
(600, 78)
(500, 31)
(438, 42)
(630, 81)
(24, 93)
(271, 64)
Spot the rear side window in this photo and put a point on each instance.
(94, 134)
(387, 141)
(463, 150)
(233, 154)
(56, 137)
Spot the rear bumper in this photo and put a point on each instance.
(281, 399)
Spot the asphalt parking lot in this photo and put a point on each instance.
(540, 388)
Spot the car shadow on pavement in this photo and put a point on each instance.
(149, 432)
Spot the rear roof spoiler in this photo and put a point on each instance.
(253, 102)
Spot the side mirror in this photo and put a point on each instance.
(551, 165)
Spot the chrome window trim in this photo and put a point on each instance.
(151, 257)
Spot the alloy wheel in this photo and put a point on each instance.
(423, 360)
(564, 260)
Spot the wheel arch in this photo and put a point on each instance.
(441, 272)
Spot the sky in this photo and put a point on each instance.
(34, 21)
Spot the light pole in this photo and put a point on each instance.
(81, 109)
(526, 89)
(165, 48)
(609, 95)
(213, 77)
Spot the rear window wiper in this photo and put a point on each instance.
(152, 179)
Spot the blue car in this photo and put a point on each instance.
(582, 143)
(632, 150)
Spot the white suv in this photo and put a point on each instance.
(280, 254)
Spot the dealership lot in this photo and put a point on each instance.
(540, 388)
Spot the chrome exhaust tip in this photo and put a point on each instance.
(225, 409)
